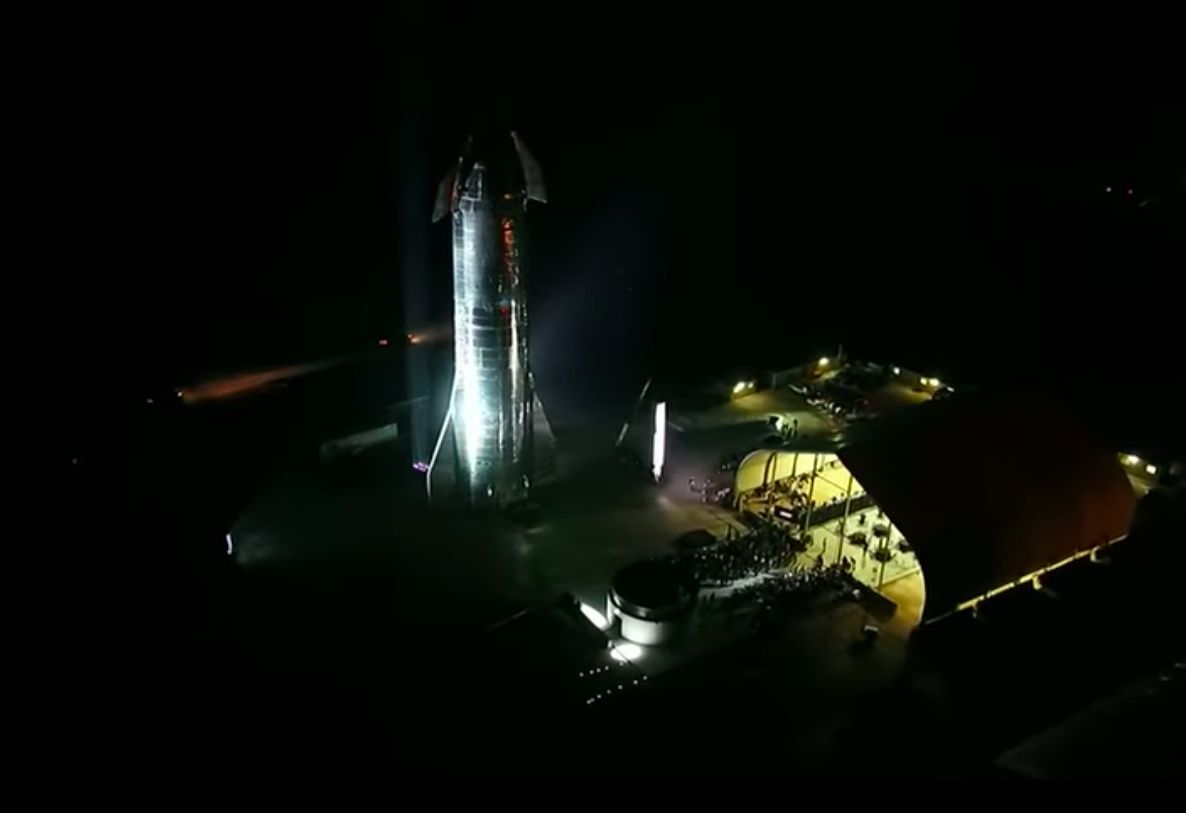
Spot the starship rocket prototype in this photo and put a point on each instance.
(496, 443)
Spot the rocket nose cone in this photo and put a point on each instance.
(508, 168)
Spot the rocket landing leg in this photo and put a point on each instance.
(446, 480)
(443, 477)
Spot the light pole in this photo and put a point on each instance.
(810, 498)
(844, 519)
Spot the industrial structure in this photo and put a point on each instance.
(495, 443)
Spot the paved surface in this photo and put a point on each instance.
(386, 584)
(756, 408)
(600, 516)
(827, 538)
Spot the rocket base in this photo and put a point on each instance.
(447, 480)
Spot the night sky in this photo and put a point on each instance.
(236, 188)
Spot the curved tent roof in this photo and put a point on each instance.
(989, 488)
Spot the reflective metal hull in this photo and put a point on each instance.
(496, 425)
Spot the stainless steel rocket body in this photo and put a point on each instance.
(494, 411)
(493, 395)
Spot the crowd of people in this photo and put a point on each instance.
(784, 590)
(765, 547)
(789, 493)
(789, 496)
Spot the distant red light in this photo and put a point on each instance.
(382, 342)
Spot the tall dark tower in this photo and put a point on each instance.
(496, 443)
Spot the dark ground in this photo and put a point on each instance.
(149, 653)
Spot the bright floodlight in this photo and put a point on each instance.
(823, 361)
(597, 618)
(1150, 469)
(626, 651)
(1131, 460)
(934, 382)
(897, 370)
(738, 387)
(659, 444)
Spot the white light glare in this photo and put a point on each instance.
(597, 618)
(626, 651)
(230, 546)
(1150, 469)
(897, 370)
(823, 362)
(472, 415)
(738, 387)
(659, 444)
(1132, 460)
